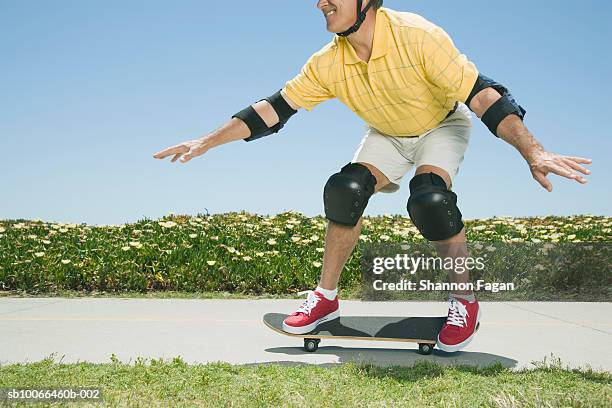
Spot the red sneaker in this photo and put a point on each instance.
(460, 326)
(316, 309)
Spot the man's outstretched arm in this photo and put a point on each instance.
(234, 129)
(512, 129)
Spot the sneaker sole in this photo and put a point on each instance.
(457, 347)
(308, 328)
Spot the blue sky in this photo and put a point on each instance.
(90, 90)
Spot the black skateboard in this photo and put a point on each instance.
(421, 330)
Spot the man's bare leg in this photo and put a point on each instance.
(463, 309)
(454, 247)
(340, 241)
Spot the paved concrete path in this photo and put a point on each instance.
(91, 329)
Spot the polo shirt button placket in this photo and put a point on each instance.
(372, 80)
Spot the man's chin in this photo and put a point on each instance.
(333, 29)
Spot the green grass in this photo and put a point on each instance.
(175, 383)
(242, 253)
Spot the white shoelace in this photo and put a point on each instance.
(457, 313)
(310, 302)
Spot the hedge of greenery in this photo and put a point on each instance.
(236, 252)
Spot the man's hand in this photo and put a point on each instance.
(188, 149)
(233, 130)
(542, 162)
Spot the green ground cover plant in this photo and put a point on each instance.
(234, 252)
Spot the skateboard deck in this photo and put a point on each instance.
(421, 330)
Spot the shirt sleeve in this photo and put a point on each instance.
(306, 89)
(446, 67)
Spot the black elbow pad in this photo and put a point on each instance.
(503, 107)
(257, 125)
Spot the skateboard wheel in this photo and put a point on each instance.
(425, 348)
(311, 345)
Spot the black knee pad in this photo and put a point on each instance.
(433, 208)
(346, 194)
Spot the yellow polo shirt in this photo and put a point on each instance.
(413, 79)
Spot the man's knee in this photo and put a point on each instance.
(433, 207)
(427, 168)
(347, 192)
(381, 179)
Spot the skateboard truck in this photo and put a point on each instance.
(312, 345)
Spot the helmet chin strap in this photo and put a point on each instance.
(361, 16)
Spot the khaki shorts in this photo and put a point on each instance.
(443, 146)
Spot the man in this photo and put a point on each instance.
(404, 77)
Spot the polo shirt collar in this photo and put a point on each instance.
(380, 45)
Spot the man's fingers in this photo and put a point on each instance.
(171, 150)
(544, 182)
(576, 166)
(165, 153)
(562, 169)
(188, 150)
(579, 159)
(195, 151)
(186, 157)
(572, 174)
(564, 166)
